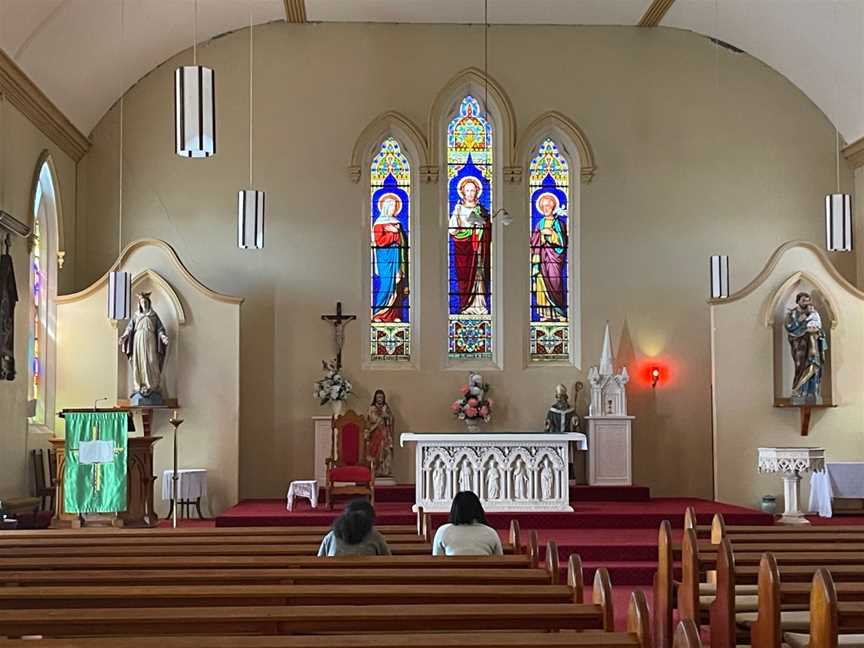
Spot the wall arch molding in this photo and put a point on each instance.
(57, 228)
(393, 123)
(559, 127)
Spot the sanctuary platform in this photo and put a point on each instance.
(611, 526)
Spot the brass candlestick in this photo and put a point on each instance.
(175, 422)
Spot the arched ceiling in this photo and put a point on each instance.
(73, 52)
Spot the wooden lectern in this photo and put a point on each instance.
(139, 477)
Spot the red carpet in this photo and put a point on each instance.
(614, 527)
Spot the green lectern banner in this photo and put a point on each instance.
(94, 476)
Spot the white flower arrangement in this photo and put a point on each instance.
(333, 386)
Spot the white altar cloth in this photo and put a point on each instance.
(509, 471)
(839, 479)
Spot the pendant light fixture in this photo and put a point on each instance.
(718, 264)
(120, 283)
(719, 287)
(194, 106)
(838, 214)
(838, 206)
(250, 202)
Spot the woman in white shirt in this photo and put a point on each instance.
(467, 534)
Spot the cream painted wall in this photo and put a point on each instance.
(743, 388)
(694, 158)
(21, 147)
(201, 367)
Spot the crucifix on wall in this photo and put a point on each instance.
(338, 321)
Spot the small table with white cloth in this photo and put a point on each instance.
(841, 480)
(307, 488)
(191, 487)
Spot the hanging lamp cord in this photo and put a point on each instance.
(122, 101)
(251, 71)
(195, 35)
(486, 57)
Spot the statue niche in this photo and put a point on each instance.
(801, 316)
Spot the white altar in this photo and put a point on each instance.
(515, 471)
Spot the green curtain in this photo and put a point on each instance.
(95, 488)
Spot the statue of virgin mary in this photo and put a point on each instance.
(145, 343)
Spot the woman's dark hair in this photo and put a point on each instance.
(466, 509)
(355, 523)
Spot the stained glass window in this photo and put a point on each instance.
(390, 204)
(548, 188)
(37, 287)
(469, 233)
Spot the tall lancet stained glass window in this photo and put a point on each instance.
(37, 288)
(469, 233)
(549, 181)
(390, 209)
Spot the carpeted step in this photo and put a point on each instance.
(581, 493)
(632, 572)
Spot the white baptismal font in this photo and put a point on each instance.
(516, 471)
(791, 462)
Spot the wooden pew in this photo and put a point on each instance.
(687, 635)
(768, 630)
(300, 619)
(151, 551)
(637, 635)
(516, 561)
(270, 576)
(167, 541)
(829, 618)
(797, 555)
(719, 529)
(64, 597)
(793, 595)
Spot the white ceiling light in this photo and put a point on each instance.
(120, 283)
(838, 206)
(250, 202)
(194, 106)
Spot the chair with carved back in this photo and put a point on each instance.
(348, 462)
(43, 490)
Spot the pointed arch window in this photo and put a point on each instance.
(43, 290)
(470, 245)
(390, 213)
(549, 247)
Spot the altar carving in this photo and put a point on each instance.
(508, 471)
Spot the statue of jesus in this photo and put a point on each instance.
(145, 343)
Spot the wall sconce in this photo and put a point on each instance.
(655, 376)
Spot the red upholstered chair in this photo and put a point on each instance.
(348, 461)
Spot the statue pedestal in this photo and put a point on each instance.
(610, 455)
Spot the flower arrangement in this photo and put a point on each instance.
(473, 406)
(333, 386)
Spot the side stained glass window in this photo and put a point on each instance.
(390, 205)
(37, 283)
(469, 233)
(548, 188)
